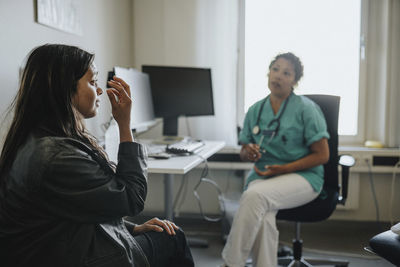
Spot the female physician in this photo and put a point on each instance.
(62, 202)
(285, 135)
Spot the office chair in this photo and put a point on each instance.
(324, 205)
(387, 246)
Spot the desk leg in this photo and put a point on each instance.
(168, 196)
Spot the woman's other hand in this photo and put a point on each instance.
(156, 225)
(319, 155)
(271, 170)
(250, 152)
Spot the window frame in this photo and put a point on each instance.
(354, 140)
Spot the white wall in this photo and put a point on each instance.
(198, 33)
(366, 210)
(106, 32)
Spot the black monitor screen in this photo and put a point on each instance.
(180, 91)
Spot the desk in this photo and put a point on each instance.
(179, 165)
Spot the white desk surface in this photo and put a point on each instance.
(183, 164)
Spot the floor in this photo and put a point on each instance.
(342, 241)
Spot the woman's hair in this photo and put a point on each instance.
(44, 99)
(298, 66)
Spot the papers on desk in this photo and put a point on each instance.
(142, 113)
(112, 141)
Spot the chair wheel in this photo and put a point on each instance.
(285, 251)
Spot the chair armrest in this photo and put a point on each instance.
(346, 161)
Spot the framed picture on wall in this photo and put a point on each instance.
(64, 15)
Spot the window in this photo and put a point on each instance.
(324, 34)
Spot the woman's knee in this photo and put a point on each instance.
(180, 236)
(180, 233)
(251, 197)
(169, 248)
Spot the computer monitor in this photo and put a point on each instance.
(179, 91)
(142, 114)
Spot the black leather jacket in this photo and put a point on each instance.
(62, 205)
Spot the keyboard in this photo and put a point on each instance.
(185, 147)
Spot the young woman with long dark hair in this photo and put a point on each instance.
(62, 202)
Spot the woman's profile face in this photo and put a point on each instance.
(281, 77)
(86, 99)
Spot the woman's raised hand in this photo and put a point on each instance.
(250, 152)
(121, 102)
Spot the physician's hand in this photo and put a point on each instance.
(156, 225)
(250, 152)
(271, 170)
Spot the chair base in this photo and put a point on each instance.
(298, 260)
(309, 262)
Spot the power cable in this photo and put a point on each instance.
(397, 165)
(204, 179)
(371, 181)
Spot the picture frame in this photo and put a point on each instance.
(63, 15)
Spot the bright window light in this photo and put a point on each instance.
(324, 34)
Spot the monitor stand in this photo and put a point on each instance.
(170, 131)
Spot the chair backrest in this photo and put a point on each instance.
(329, 105)
(323, 206)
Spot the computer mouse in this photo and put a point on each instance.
(161, 155)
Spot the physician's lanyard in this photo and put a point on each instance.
(272, 133)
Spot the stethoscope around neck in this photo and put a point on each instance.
(256, 129)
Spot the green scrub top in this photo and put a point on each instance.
(301, 124)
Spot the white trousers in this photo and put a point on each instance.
(254, 226)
